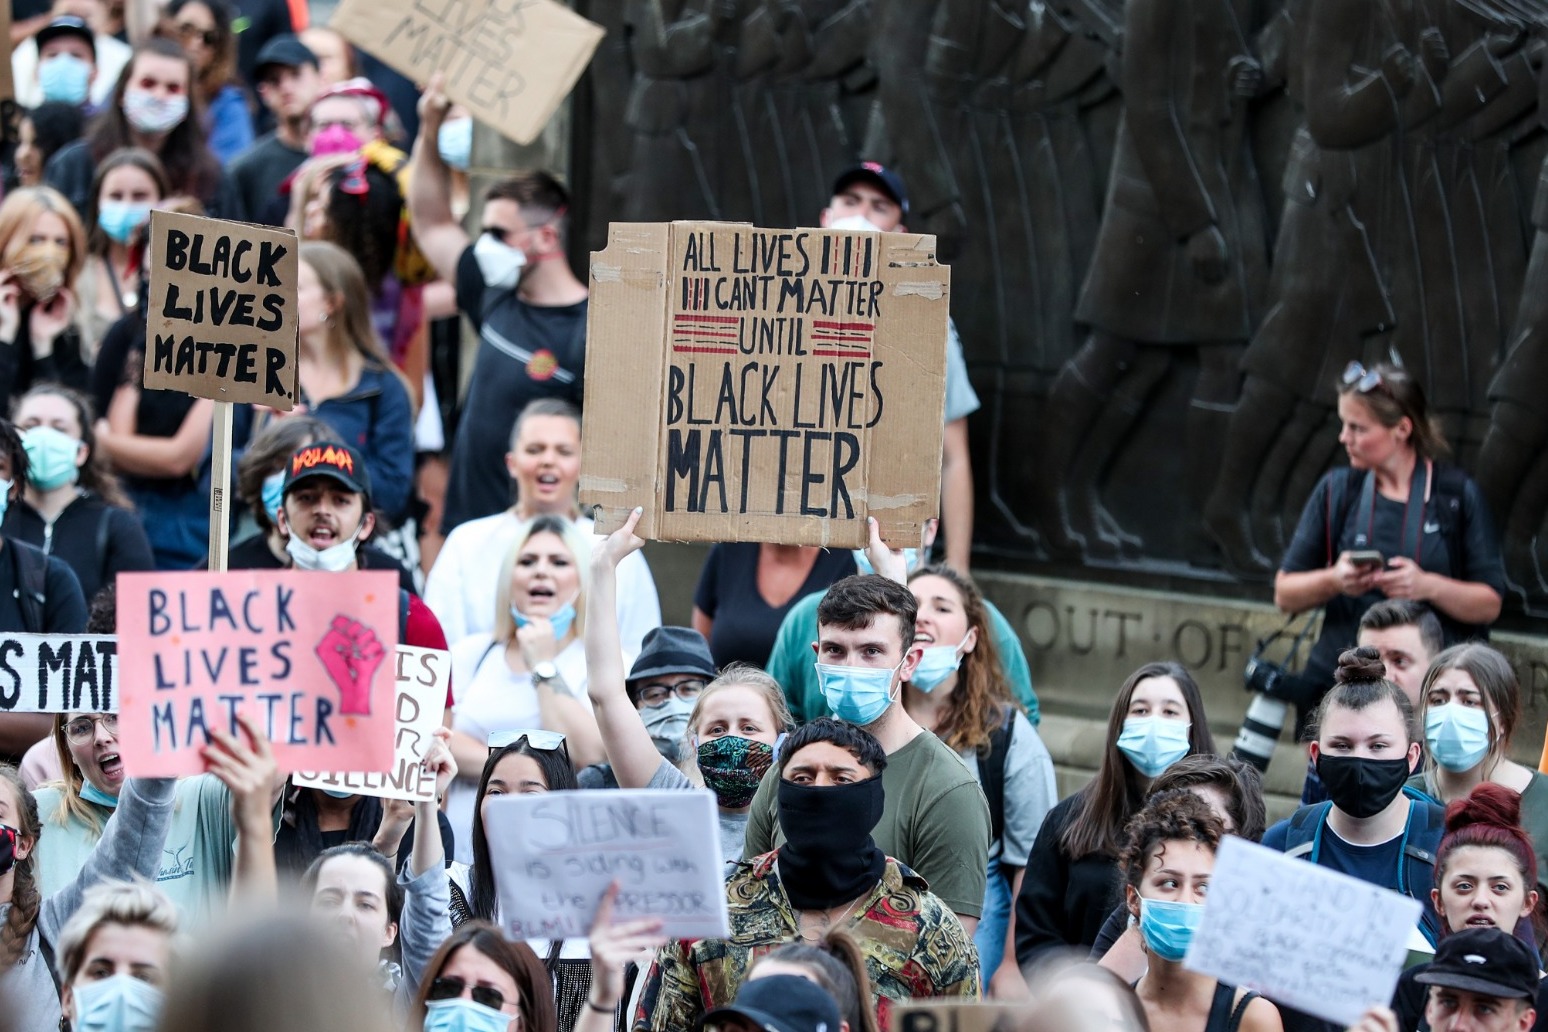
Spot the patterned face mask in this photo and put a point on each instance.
(732, 768)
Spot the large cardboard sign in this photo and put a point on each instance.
(510, 62)
(765, 385)
(303, 653)
(222, 310)
(58, 673)
(1302, 935)
(556, 852)
(421, 677)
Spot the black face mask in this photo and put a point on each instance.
(1359, 786)
(828, 857)
(8, 837)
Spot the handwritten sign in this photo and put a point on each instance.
(421, 677)
(302, 653)
(1302, 935)
(222, 310)
(510, 62)
(800, 376)
(58, 673)
(555, 853)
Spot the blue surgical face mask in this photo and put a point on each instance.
(464, 1015)
(938, 663)
(121, 220)
(857, 694)
(863, 561)
(333, 559)
(1168, 927)
(92, 794)
(274, 494)
(560, 621)
(122, 1003)
(333, 793)
(1458, 736)
(1153, 744)
(455, 142)
(50, 457)
(5, 496)
(65, 78)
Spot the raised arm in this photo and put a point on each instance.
(628, 744)
(248, 771)
(427, 897)
(436, 230)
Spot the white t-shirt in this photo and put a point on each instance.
(461, 588)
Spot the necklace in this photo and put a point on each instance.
(827, 922)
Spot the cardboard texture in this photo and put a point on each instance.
(511, 62)
(222, 310)
(304, 654)
(7, 84)
(58, 673)
(421, 676)
(749, 384)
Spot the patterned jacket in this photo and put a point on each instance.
(914, 947)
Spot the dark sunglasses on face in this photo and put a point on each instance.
(189, 33)
(445, 988)
(656, 693)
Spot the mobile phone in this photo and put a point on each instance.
(1367, 557)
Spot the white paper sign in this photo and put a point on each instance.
(1302, 935)
(59, 673)
(422, 676)
(555, 853)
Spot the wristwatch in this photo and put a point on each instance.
(545, 671)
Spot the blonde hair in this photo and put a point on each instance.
(309, 178)
(575, 542)
(137, 903)
(350, 328)
(19, 213)
(71, 806)
(741, 675)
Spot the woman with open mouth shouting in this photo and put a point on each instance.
(530, 672)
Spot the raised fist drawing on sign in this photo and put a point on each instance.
(351, 652)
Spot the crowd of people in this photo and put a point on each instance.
(889, 821)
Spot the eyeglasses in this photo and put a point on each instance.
(188, 33)
(542, 741)
(656, 693)
(81, 729)
(446, 988)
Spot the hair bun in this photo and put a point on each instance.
(1361, 664)
(1487, 803)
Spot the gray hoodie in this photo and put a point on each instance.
(131, 844)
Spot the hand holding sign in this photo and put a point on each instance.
(621, 542)
(351, 653)
(247, 769)
(615, 946)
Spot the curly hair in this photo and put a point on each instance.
(1174, 816)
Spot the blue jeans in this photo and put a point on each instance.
(994, 925)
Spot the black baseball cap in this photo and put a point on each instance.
(1486, 961)
(67, 25)
(781, 1003)
(879, 176)
(329, 459)
(285, 49)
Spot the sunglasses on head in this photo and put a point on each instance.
(446, 988)
(543, 741)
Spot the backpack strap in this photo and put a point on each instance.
(991, 772)
(46, 954)
(1301, 836)
(31, 569)
(1338, 507)
(104, 525)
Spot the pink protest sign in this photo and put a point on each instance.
(302, 653)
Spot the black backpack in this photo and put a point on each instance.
(29, 568)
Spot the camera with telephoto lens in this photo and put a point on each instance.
(1275, 688)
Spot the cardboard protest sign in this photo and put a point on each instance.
(965, 1016)
(751, 384)
(1300, 934)
(302, 653)
(510, 62)
(58, 673)
(556, 852)
(421, 677)
(222, 310)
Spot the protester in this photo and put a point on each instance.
(347, 116)
(1472, 707)
(68, 61)
(837, 964)
(288, 82)
(72, 507)
(42, 248)
(517, 289)
(114, 957)
(1082, 997)
(39, 593)
(479, 979)
(128, 184)
(958, 692)
(544, 463)
(150, 109)
(1167, 858)
(39, 133)
(1072, 877)
(1446, 555)
(778, 1003)
(1366, 744)
(335, 57)
(1482, 979)
(1486, 876)
(531, 672)
(828, 873)
(131, 844)
(746, 589)
(203, 29)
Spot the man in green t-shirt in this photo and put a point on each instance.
(935, 819)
